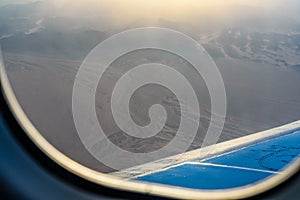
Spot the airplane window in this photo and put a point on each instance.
(184, 99)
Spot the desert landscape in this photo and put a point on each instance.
(259, 66)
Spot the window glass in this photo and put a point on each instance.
(160, 91)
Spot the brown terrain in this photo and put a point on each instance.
(260, 95)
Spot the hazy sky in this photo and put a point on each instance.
(170, 8)
(162, 6)
(159, 4)
(127, 11)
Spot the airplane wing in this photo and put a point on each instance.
(235, 163)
